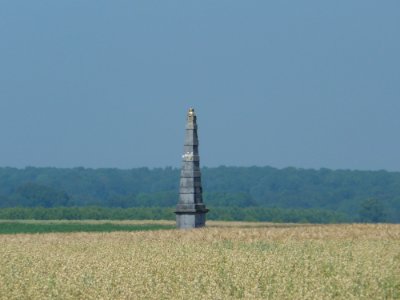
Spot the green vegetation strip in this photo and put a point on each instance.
(18, 227)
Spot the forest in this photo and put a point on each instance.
(232, 193)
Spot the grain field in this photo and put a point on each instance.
(222, 261)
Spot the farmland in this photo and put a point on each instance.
(222, 261)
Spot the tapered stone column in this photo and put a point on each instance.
(190, 210)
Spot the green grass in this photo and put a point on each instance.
(21, 227)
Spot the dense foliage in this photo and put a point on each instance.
(163, 213)
(370, 196)
(21, 227)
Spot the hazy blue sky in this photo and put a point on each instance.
(307, 84)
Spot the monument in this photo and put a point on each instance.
(190, 210)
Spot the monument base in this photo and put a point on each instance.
(188, 220)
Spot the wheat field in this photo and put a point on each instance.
(222, 261)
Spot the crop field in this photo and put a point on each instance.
(222, 261)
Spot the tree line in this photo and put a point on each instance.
(249, 214)
(345, 195)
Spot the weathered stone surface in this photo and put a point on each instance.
(190, 220)
(190, 210)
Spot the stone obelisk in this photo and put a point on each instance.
(190, 210)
